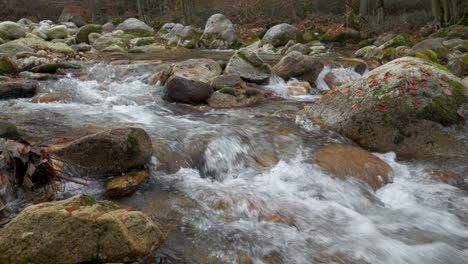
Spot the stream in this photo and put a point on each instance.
(227, 208)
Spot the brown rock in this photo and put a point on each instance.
(449, 177)
(299, 88)
(332, 81)
(344, 160)
(297, 65)
(125, 185)
(47, 98)
(266, 160)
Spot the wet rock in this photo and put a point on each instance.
(53, 67)
(7, 65)
(432, 44)
(266, 160)
(402, 106)
(181, 90)
(161, 75)
(125, 185)
(82, 36)
(200, 70)
(97, 231)
(449, 177)
(48, 98)
(8, 130)
(133, 25)
(18, 89)
(302, 48)
(297, 65)
(38, 76)
(219, 33)
(343, 161)
(248, 65)
(227, 81)
(11, 30)
(280, 34)
(111, 152)
(232, 98)
(369, 52)
(108, 28)
(78, 15)
(332, 80)
(342, 34)
(458, 65)
(299, 88)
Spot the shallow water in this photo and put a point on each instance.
(228, 209)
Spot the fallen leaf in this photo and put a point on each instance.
(345, 90)
(72, 208)
(382, 108)
(444, 84)
(354, 106)
(445, 78)
(361, 94)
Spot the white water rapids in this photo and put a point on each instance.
(229, 209)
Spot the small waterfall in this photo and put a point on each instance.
(343, 75)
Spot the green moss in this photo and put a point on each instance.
(84, 31)
(464, 63)
(427, 55)
(7, 65)
(379, 91)
(308, 36)
(86, 200)
(230, 91)
(132, 140)
(443, 109)
(390, 53)
(364, 43)
(144, 42)
(251, 92)
(139, 33)
(403, 40)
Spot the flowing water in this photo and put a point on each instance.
(225, 208)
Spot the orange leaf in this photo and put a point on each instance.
(345, 90)
(354, 106)
(445, 78)
(73, 208)
(361, 94)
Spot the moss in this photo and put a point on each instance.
(379, 91)
(427, 55)
(144, 42)
(364, 43)
(7, 65)
(86, 200)
(139, 33)
(251, 92)
(403, 40)
(84, 31)
(464, 63)
(308, 36)
(230, 91)
(443, 109)
(390, 53)
(132, 140)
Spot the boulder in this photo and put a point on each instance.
(382, 38)
(78, 15)
(181, 90)
(53, 67)
(111, 152)
(82, 36)
(232, 98)
(432, 44)
(458, 65)
(370, 52)
(342, 161)
(342, 34)
(280, 34)
(162, 74)
(302, 48)
(114, 48)
(42, 31)
(18, 89)
(105, 41)
(7, 65)
(94, 231)
(58, 32)
(108, 28)
(402, 106)
(83, 47)
(449, 177)
(182, 36)
(226, 81)
(134, 25)
(201, 70)
(8, 130)
(219, 33)
(11, 30)
(297, 65)
(249, 66)
(125, 185)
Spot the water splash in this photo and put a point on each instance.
(342, 75)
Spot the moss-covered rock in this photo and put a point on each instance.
(363, 43)
(397, 107)
(7, 65)
(84, 31)
(400, 40)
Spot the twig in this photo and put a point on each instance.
(72, 180)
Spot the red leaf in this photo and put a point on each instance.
(382, 108)
(72, 208)
(354, 106)
(445, 78)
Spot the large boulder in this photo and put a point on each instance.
(432, 44)
(249, 66)
(201, 70)
(297, 65)
(78, 15)
(111, 152)
(219, 32)
(281, 34)
(18, 89)
(82, 36)
(344, 161)
(11, 30)
(27, 44)
(134, 25)
(180, 35)
(181, 90)
(78, 230)
(402, 106)
(7, 65)
(58, 32)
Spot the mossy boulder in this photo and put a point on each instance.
(7, 65)
(249, 66)
(370, 52)
(281, 34)
(408, 106)
(27, 44)
(399, 40)
(138, 28)
(95, 231)
(11, 30)
(219, 33)
(84, 31)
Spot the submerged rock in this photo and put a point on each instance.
(299, 88)
(18, 89)
(232, 98)
(281, 34)
(48, 98)
(344, 160)
(297, 65)
(182, 90)
(108, 153)
(125, 185)
(248, 65)
(401, 106)
(94, 231)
